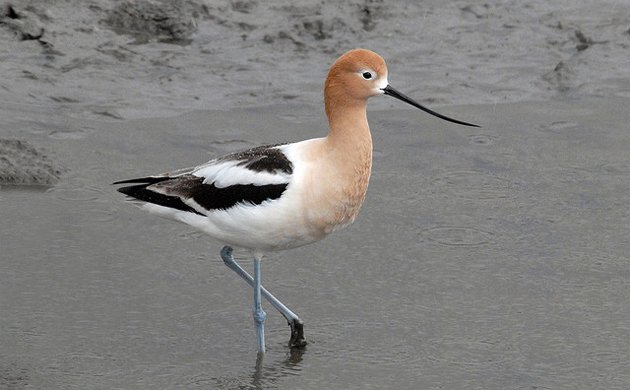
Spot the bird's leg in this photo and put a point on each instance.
(297, 326)
(259, 314)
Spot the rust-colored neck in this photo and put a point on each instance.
(348, 147)
(348, 128)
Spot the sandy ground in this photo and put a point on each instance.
(228, 54)
(490, 258)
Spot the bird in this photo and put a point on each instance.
(282, 196)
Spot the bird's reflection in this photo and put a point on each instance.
(272, 373)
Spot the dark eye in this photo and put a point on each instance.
(367, 75)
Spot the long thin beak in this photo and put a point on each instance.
(394, 93)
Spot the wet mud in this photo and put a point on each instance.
(22, 164)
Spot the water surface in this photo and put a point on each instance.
(483, 258)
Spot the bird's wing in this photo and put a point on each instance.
(251, 176)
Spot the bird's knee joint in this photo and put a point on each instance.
(226, 255)
(259, 316)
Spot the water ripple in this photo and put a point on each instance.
(474, 185)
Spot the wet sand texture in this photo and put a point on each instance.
(248, 53)
(25, 24)
(148, 20)
(22, 164)
(493, 258)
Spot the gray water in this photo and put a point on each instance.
(483, 258)
(492, 258)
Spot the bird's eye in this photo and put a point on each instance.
(367, 75)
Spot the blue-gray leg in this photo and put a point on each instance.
(259, 314)
(297, 327)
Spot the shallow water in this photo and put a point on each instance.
(483, 258)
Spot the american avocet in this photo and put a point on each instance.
(282, 196)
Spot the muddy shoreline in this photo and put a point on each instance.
(140, 59)
(158, 58)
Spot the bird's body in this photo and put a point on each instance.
(264, 199)
(283, 196)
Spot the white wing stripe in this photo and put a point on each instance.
(229, 173)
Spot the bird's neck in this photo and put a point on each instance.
(349, 152)
(338, 186)
(349, 132)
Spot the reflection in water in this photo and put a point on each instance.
(258, 371)
(267, 373)
(271, 374)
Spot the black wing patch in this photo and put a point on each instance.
(262, 158)
(173, 191)
(141, 192)
(169, 192)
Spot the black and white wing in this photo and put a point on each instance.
(251, 176)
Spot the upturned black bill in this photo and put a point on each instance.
(394, 93)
